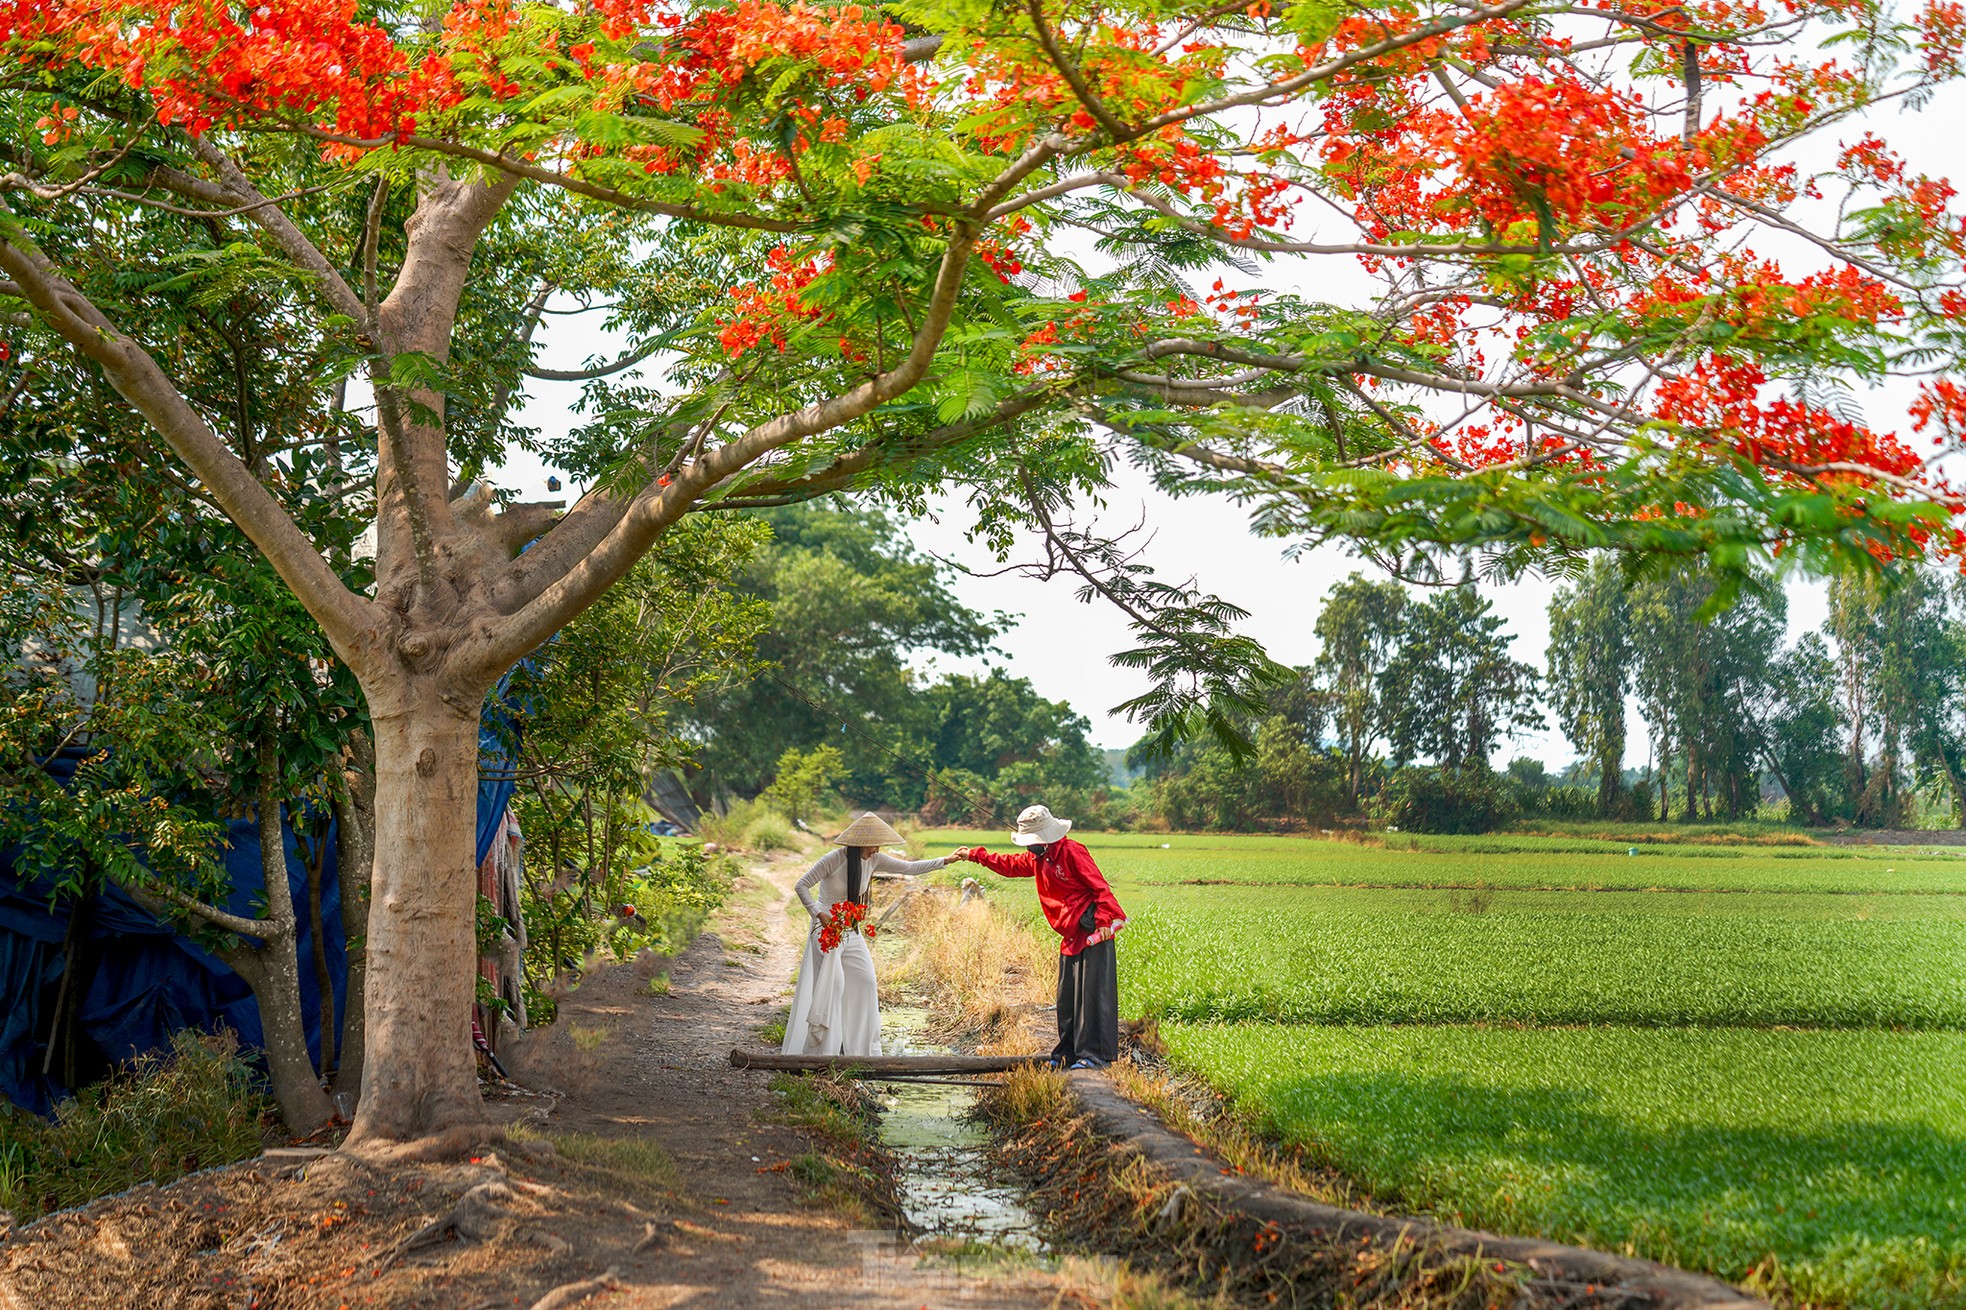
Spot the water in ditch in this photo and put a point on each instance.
(942, 1153)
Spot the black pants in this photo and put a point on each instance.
(1088, 1006)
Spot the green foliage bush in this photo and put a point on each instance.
(727, 829)
(1430, 799)
(673, 889)
(1564, 803)
(1285, 781)
(160, 1117)
(750, 825)
(803, 780)
(768, 832)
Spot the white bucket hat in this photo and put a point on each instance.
(869, 830)
(1038, 826)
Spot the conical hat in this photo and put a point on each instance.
(869, 830)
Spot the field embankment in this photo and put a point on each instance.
(1735, 1059)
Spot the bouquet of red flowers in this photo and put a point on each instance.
(846, 917)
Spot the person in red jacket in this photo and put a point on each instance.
(1083, 912)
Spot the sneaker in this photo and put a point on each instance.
(1088, 1063)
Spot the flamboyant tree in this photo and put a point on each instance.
(936, 241)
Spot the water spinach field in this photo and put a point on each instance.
(1745, 1057)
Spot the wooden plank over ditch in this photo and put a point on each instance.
(877, 1066)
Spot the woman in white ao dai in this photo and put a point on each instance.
(836, 1007)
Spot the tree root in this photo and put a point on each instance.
(451, 1144)
(479, 1216)
(568, 1293)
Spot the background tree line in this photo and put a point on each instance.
(856, 614)
(1410, 696)
(1400, 716)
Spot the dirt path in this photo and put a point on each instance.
(663, 1073)
(670, 1186)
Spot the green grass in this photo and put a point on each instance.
(158, 1118)
(1744, 1058)
(1337, 955)
(1840, 1154)
(1526, 862)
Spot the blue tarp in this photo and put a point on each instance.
(148, 981)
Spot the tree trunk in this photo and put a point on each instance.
(325, 1031)
(1665, 785)
(420, 1074)
(275, 972)
(354, 803)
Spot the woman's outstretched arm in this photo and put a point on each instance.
(893, 866)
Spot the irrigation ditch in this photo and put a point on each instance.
(1104, 1171)
(1033, 1164)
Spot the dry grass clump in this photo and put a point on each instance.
(1102, 1284)
(1191, 1107)
(160, 1116)
(975, 964)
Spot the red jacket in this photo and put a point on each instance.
(1068, 881)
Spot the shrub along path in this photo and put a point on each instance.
(671, 1185)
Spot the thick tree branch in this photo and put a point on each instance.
(418, 317)
(518, 168)
(844, 471)
(656, 506)
(343, 616)
(270, 217)
(156, 896)
(1069, 70)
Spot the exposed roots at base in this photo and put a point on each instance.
(569, 1293)
(448, 1146)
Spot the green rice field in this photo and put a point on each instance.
(1740, 1053)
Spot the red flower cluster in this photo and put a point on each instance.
(846, 917)
(765, 310)
(1720, 399)
(203, 65)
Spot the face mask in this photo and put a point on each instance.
(1039, 851)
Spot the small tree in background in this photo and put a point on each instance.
(1358, 630)
(1590, 657)
(1452, 692)
(1801, 729)
(803, 779)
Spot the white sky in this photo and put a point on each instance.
(1062, 646)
